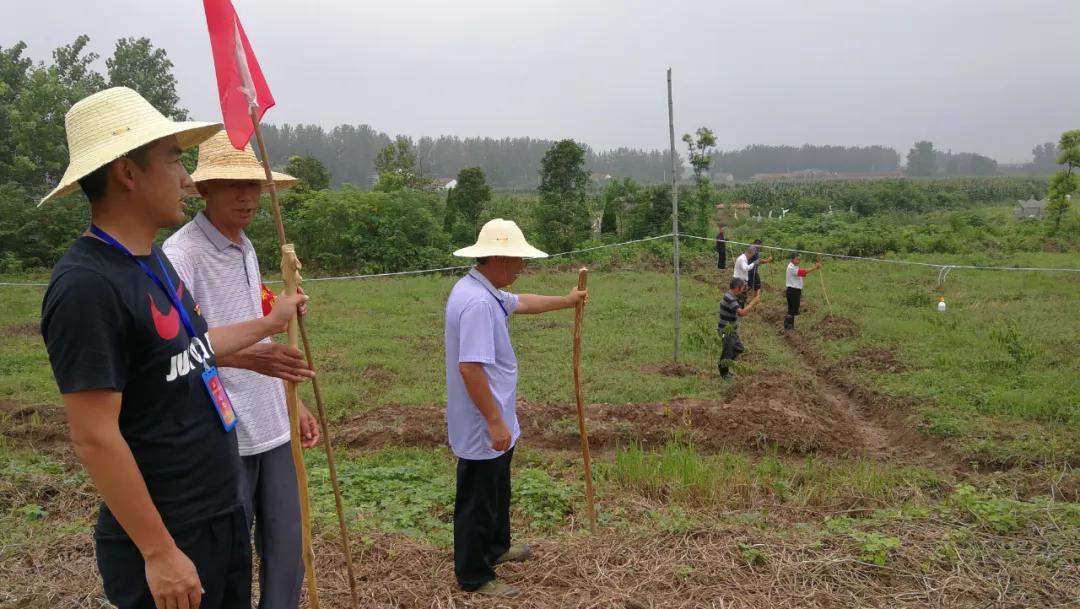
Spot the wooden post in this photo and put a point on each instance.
(290, 267)
(579, 313)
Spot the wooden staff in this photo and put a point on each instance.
(579, 313)
(290, 271)
(821, 276)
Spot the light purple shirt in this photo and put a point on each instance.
(477, 331)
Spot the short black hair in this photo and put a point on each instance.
(94, 183)
(737, 283)
(483, 260)
(757, 241)
(795, 255)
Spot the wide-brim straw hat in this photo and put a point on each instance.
(111, 123)
(500, 238)
(218, 160)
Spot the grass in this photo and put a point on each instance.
(681, 474)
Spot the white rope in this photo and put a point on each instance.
(944, 268)
(888, 261)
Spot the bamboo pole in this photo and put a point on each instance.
(674, 214)
(579, 314)
(296, 326)
(290, 273)
(821, 276)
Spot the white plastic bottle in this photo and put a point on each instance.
(941, 304)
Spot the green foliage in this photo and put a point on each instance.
(680, 473)
(311, 172)
(874, 548)
(544, 500)
(758, 158)
(369, 232)
(1007, 335)
(136, 64)
(752, 556)
(406, 491)
(1065, 182)
(921, 160)
(397, 167)
(465, 206)
(699, 150)
(701, 200)
(563, 214)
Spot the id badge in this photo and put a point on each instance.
(221, 400)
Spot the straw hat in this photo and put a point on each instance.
(111, 123)
(218, 160)
(500, 238)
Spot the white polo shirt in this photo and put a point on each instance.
(225, 279)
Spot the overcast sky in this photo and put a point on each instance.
(989, 76)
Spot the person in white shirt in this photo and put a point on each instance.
(743, 266)
(794, 284)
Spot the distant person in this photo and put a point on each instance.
(721, 249)
(794, 285)
(481, 390)
(728, 328)
(136, 365)
(753, 280)
(217, 261)
(743, 267)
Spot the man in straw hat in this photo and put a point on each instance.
(481, 389)
(136, 366)
(216, 260)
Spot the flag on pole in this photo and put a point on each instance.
(241, 85)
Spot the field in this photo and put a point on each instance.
(885, 455)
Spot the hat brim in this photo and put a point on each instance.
(281, 180)
(187, 134)
(484, 250)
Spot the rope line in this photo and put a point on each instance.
(942, 268)
(888, 261)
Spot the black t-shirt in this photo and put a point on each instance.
(108, 326)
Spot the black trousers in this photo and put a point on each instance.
(268, 490)
(481, 518)
(794, 299)
(731, 349)
(220, 548)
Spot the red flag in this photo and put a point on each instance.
(241, 85)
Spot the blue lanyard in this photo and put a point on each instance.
(505, 314)
(170, 291)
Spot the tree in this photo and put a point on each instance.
(465, 204)
(563, 212)
(620, 197)
(1044, 158)
(138, 65)
(397, 168)
(700, 153)
(311, 172)
(1065, 182)
(921, 161)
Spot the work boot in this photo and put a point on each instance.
(518, 553)
(497, 589)
(789, 322)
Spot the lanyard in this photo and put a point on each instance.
(170, 291)
(505, 314)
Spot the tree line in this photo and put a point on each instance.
(392, 218)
